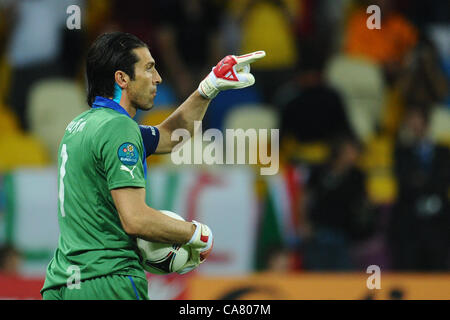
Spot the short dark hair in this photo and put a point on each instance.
(110, 52)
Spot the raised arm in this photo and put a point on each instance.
(232, 72)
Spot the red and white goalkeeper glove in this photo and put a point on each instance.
(201, 244)
(232, 72)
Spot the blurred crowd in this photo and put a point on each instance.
(364, 114)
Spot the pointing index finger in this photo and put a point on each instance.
(250, 57)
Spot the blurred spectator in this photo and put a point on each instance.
(337, 209)
(419, 234)
(423, 81)
(311, 110)
(386, 46)
(188, 41)
(269, 25)
(10, 260)
(322, 17)
(35, 47)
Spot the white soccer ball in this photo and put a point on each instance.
(163, 258)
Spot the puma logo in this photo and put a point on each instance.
(124, 168)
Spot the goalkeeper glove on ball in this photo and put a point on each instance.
(201, 244)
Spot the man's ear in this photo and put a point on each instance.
(121, 79)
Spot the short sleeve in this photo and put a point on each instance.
(120, 151)
(150, 137)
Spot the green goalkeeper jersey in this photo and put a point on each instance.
(102, 149)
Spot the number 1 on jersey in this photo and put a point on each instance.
(62, 173)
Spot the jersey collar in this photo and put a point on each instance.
(101, 102)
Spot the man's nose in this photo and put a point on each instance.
(158, 79)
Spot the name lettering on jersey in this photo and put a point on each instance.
(124, 168)
(76, 126)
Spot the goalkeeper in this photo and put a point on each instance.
(102, 170)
